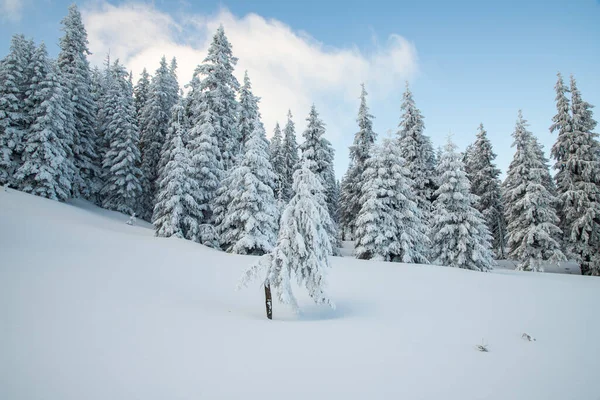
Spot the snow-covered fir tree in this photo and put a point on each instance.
(460, 236)
(317, 153)
(389, 224)
(217, 88)
(141, 93)
(14, 118)
(75, 69)
(577, 154)
(249, 225)
(248, 112)
(47, 161)
(562, 125)
(417, 151)
(486, 185)
(290, 157)
(278, 161)
(177, 211)
(122, 188)
(359, 153)
(532, 231)
(154, 123)
(302, 246)
(172, 88)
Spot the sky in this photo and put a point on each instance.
(467, 62)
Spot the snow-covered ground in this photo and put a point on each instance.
(92, 308)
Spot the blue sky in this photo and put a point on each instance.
(473, 61)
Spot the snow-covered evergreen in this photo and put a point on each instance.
(47, 168)
(278, 161)
(461, 238)
(14, 118)
(360, 150)
(389, 225)
(417, 151)
(532, 231)
(177, 212)
(122, 188)
(75, 69)
(248, 113)
(577, 154)
(486, 185)
(217, 87)
(154, 123)
(249, 225)
(302, 246)
(141, 93)
(290, 157)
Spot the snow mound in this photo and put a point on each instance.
(93, 308)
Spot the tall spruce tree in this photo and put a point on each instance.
(15, 76)
(249, 225)
(248, 114)
(302, 246)
(461, 238)
(417, 150)
(278, 161)
(532, 231)
(154, 123)
(141, 93)
(290, 156)
(389, 225)
(364, 140)
(486, 185)
(577, 154)
(219, 87)
(122, 175)
(75, 68)
(47, 169)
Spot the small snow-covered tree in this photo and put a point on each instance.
(485, 184)
(533, 236)
(302, 246)
(290, 157)
(578, 162)
(248, 112)
(389, 225)
(47, 168)
(75, 69)
(141, 93)
(154, 123)
(249, 225)
(461, 238)
(219, 87)
(278, 160)
(417, 151)
(176, 211)
(14, 81)
(364, 140)
(122, 175)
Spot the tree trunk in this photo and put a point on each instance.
(268, 301)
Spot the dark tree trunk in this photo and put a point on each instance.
(268, 301)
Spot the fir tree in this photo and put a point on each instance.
(485, 184)
(219, 88)
(533, 237)
(302, 246)
(249, 225)
(47, 169)
(389, 225)
(122, 187)
(278, 161)
(417, 150)
(154, 124)
(562, 125)
(14, 80)
(460, 237)
(290, 157)
(248, 112)
(141, 93)
(359, 153)
(578, 162)
(75, 68)
(176, 212)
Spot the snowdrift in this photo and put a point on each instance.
(92, 308)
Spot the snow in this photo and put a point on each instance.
(93, 308)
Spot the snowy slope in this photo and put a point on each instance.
(91, 308)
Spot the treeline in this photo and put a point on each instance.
(199, 166)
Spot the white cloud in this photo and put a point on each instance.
(288, 69)
(11, 9)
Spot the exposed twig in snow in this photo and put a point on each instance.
(528, 337)
(482, 347)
